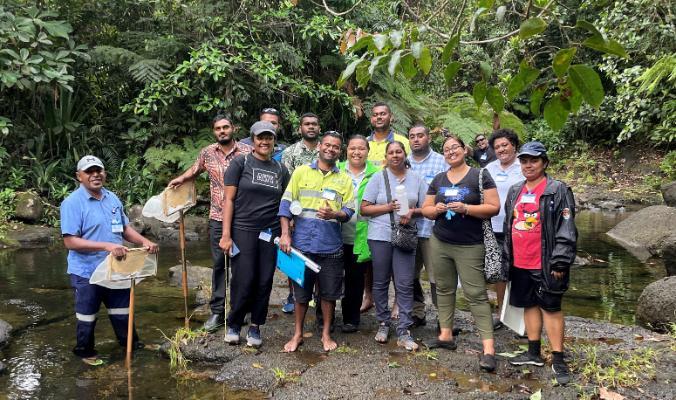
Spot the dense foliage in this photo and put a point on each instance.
(137, 82)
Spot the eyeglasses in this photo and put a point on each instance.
(270, 110)
(452, 148)
(479, 140)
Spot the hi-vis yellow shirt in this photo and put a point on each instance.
(377, 148)
(314, 189)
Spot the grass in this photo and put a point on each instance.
(623, 369)
(282, 377)
(178, 364)
(345, 349)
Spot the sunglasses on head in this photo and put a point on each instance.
(479, 140)
(270, 110)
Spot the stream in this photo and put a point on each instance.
(35, 298)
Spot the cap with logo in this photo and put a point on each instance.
(88, 162)
(534, 149)
(263, 127)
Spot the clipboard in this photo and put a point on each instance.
(510, 316)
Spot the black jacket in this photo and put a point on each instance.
(559, 234)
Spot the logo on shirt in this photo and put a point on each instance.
(264, 177)
(529, 218)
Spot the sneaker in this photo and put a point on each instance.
(289, 305)
(232, 336)
(349, 328)
(497, 324)
(407, 342)
(527, 359)
(214, 322)
(561, 373)
(253, 337)
(383, 333)
(487, 362)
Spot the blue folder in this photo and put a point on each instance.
(292, 265)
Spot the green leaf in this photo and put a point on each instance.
(575, 99)
(451, 71)
(588, 26)
(394, 62)
(374, 64)
(532, 27)
(555, 113)
(57, 28)
(562, 61)
(479, 93)
(486, 70)
(347, 73)
(416, 49)
(536, 396)
(380, 41)
(408, 66)
(522, 80)
(396, 38)
(425, 60)
(486, 3)
(362, 75)
(536, 100)
(495, 99)
(362, 43)
(448, 49)
(588, 82)
(608, 46)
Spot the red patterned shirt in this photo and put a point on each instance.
(215, 162)
(527, 228)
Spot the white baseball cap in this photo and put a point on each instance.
(88, 162)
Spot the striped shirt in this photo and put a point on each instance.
(427, 169)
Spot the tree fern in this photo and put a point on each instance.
(115, 56)
(148, 70)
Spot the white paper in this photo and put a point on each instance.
(512, 316)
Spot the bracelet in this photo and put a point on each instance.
(466, 210)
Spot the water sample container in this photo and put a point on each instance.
(402, 198)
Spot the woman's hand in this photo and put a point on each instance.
(405, 219)
(394, 206)
(440, 208)
(558, 275)
(225, 244)
(458, 207)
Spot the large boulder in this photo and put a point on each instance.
(136, 218)
(669, 193)
(28, 207)
(656, 307)
(30, 236)
(669, 255)
(645, 232)
(5, 332)
(197, 276)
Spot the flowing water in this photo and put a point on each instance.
(36, 299)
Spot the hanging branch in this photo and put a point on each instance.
(457, 21)
(336, 13)
(435, 13)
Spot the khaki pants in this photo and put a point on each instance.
(423, 257)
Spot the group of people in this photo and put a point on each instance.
(393, 207)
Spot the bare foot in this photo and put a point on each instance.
(366, 304)
(329, 344)
(293, 344)
(395, 311)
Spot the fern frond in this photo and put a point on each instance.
(116, 56)
(148, 70)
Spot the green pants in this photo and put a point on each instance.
(466, 261)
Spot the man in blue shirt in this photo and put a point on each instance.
(93, 225)
(427, 163)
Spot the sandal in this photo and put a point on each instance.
(437, 343)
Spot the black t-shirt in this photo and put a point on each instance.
(260, 185)
(483, 157)
(460, 229)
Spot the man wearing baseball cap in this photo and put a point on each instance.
(93, 225)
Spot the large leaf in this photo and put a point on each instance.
(522, 80)
(588, 82)
(451, 71)
(425, 60)
(416, 49)
(589, 27)
(495, 99)
(486, 70)
(374, 64)
(532, 27)
(408, 66)
(608, 46)
(362, 43)
(347, 73)
(394, 62)
(486, 3)
(562, 60)
(380, 41)
(448, 49)
(396, 38)
(479, 93)
(556, 113)
(362, 75)
(57, 28)
(536, 100)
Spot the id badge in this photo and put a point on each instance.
(117, 226)
(484, 156)
(501, 177)
(451, 192)
(329, 194)
(265, 235)
(528, 198)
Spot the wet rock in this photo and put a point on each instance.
(30, 236)
(136, 218)
(197, 276)
(28, 207)
(199, 226)
(581, 261)
(165, 232)
(645, 232)
(203, 294)
(669, 193)
(5, 332)
(656, 307)
(669, 255)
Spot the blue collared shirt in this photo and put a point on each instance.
(89, 218)
(308, 185)
(427, 169)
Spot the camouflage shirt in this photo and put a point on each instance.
(298, 154)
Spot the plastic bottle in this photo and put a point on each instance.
(402, 198)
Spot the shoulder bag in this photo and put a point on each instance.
(404, 237)
(493, 258)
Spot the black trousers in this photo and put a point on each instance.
(354, 286)
(251, 280)
(217, 303)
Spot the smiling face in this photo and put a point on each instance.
(481, 142)
(395, 156)
(309, 128)
(329, 149)
(454, 152)
(223, 130)
(93, 178)
(357, 151)
(380, 118)
(264, 144)
(504, 150)
(532, 167)
(419, 139)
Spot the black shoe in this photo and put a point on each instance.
(527, 359)
(417, 321)
(487, 362)
(349, 328)
(214, 323)
(440, 344)
(561, 373)
(497, 324)
(455, 331)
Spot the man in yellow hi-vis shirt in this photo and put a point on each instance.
(382, 134)
(327, 199)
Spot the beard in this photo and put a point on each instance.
(224, 141)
